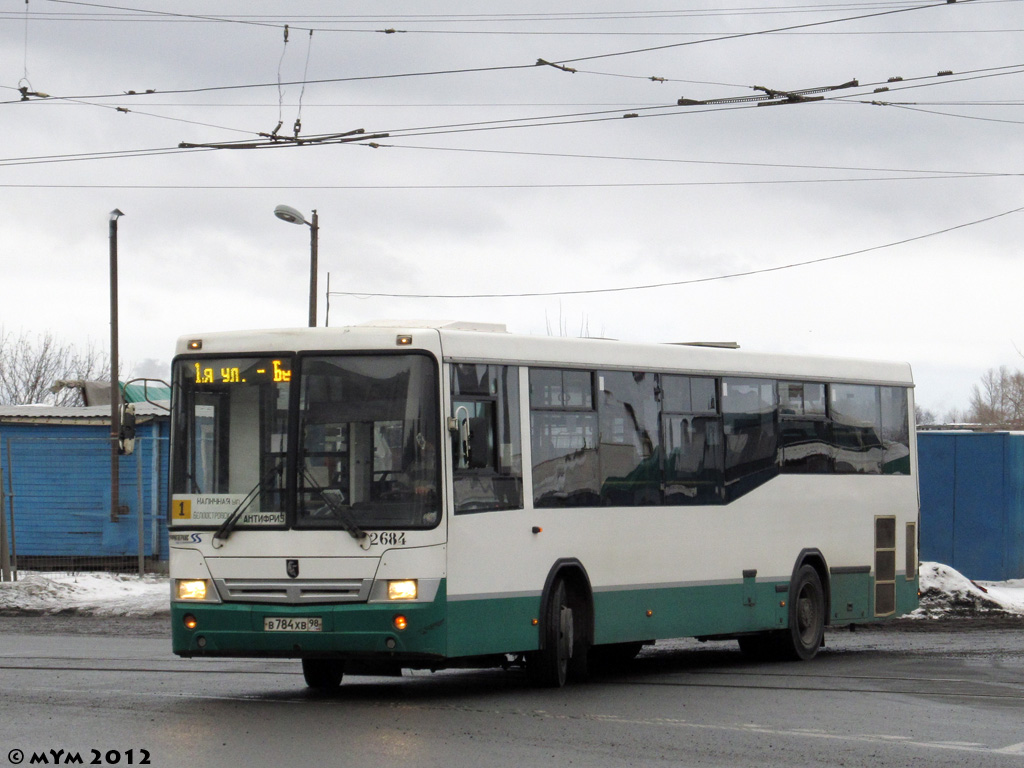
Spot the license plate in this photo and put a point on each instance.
(292, 624)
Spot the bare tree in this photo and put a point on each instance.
(924, 416)
(30, 366)
(998, 399)
(954, 416)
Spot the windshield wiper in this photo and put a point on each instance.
(229, 524)
(346, 519)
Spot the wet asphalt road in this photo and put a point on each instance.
(931, 694)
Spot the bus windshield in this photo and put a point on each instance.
(367, 425)
(231, 434)
(368, 439)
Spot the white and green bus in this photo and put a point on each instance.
(422, 496)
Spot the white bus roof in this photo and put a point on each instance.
(486, 342)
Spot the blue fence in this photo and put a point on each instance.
(56, 483)
(972, 502)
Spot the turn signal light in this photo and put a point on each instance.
(400, 622)
(189, 621)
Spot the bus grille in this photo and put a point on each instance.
(293, 591)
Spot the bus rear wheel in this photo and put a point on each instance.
(802, 639)
(323, 674)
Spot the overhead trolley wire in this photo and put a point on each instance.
(455, 128)
(278, 20)
(537, 185)
(738, 35)
(710, 105)
(768, 97)
(509, 67)
(686, 161)
(676, 283)
(915, 108)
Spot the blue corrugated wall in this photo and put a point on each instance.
(60, 478)
(972, 502)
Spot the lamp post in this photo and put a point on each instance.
(115, 389)
(293, 216)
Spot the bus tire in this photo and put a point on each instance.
(549, 667)
(802, 639)
(323, 674)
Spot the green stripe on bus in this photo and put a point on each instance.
(485, 626)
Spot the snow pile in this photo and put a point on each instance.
(94, 594)
(946, 592)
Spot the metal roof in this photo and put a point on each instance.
(72, 414)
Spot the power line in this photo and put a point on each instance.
(534, 122)
(692, 107)
(322, 81)
(277, 22)
(496, 68)
(528, 122)
(921, 173)
(111, 155)
(768, 97)
(910, 108)
(739, 35)
(676, 283)
(135, 14)
(686, 161)
(540, 185)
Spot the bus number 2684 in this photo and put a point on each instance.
(387, 538)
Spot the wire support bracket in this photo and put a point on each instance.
(545, 63)
(271, 140)
(772, 96)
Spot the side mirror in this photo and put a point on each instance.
(126, 437)
(458, 425)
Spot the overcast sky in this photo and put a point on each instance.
(499, 176)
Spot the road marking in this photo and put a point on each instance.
(806, 733)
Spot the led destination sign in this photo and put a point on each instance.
(229, 372)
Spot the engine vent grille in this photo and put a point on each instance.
(293, 591)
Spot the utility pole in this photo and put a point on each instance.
(115, 389)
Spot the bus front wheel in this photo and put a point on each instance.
(549, 667)
(323, 674)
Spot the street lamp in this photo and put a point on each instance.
(293, 216)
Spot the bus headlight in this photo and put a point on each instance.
(402, 589)
(190, 589)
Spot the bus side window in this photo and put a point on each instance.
(856, 429)
(486, 443)
(564, 435)
(895, 431)
(804, 428)
(692, 440)
(630, 439)
(750, 426)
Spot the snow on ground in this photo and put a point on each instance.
(94, 594)
(944, 593)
